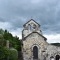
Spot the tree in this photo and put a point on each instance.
(14, 42)
(1, 31)
(4, 53)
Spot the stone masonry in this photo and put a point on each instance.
(35, 45)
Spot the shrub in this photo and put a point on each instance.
(13, 54)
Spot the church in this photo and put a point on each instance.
(35, 45)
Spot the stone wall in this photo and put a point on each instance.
(45, 50)
(31, 41)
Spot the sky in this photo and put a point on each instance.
(14, 13)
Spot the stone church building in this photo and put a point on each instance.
(35, 45)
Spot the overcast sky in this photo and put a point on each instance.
(14, 13)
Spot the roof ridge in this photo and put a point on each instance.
(35, 32)
(30, 20)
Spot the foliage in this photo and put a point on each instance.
(13, 55)
(4, 53)
(13, 42)
(56, 44)
(1, 31)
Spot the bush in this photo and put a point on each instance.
(13, 54)
(4, 53)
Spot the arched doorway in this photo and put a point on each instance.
(35, 52)
(57, 57)
(52, 58)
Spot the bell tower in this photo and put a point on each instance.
(29, 27)
(34, 43)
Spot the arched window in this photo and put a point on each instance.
(51, 58)
(35, 52)
(34, 26)
(30, 27)
(57, 57)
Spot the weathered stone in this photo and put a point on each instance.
(32, 36)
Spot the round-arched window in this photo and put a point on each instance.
(35, 52)
(51, 58)
(57, 57)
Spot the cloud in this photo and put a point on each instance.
(14, 13)
(53, 38)
(17, 32)
(5, 25)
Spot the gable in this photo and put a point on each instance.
(34, 39)
(35, 35)
(31, 22)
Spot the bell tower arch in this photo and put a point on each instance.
(29, 27)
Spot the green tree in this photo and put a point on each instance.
(4, 53)
(15, 42)
(1, 31)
